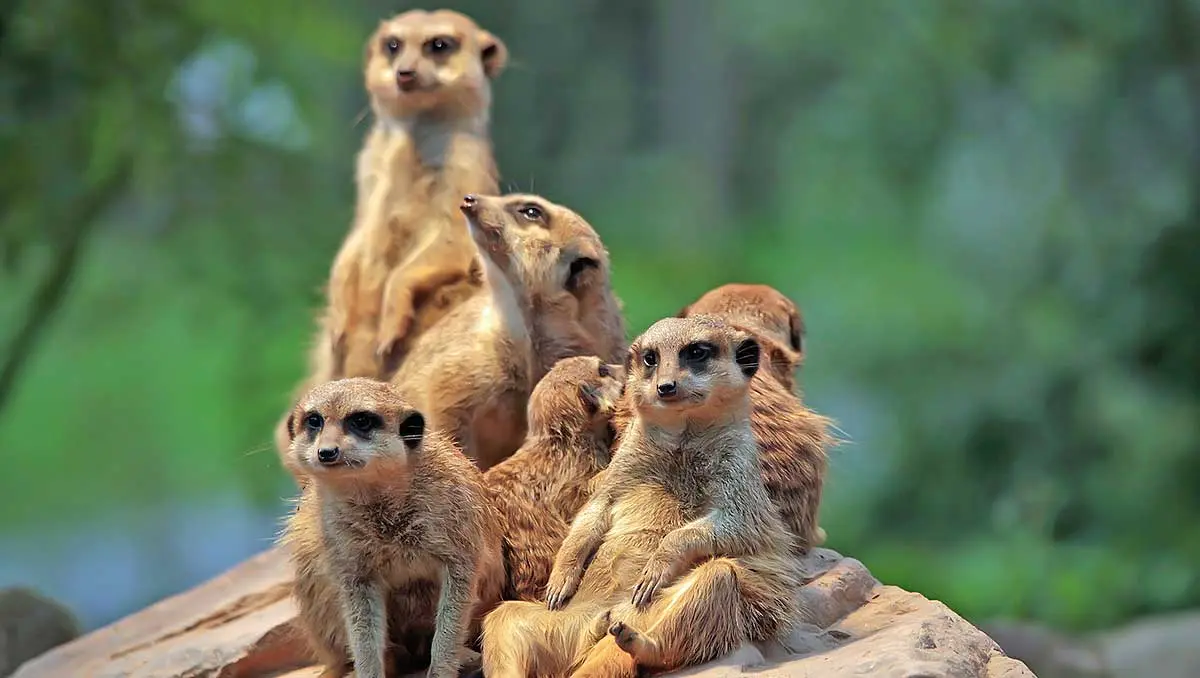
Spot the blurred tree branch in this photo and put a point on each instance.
(78, 222)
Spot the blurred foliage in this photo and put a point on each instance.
(989, 211)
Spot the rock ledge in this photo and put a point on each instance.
(239, 625)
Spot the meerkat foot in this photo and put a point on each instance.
(642, 648)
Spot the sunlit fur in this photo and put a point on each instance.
(473, 372)
(679, 555)
(408, 260)
(542, 486)
(793, 440)
(395, 512)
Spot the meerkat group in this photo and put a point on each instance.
(488, 471)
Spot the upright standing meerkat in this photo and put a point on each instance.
(408, 261)
(793, 440)
(394, 537)
(679, 556)
(472, 373)
(543, 485)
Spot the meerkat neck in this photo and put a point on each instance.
(436, 136)
(678, 430)
(508, 298)
(364, 488)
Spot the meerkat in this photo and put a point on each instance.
(540, 488)
(546, 275)
(393, 538)
(793, 440)
(679, 555)
(766, 311)
(407, 260)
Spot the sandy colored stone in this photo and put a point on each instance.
(239, 625)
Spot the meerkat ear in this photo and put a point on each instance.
(683, 312)
(797, 333)
(412, 429)
(291, 425)
(493, 53)
(590, 396)
(746, 356)
(629, 360)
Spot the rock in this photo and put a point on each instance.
(31, 624)
(1164, 646)
(239, 625)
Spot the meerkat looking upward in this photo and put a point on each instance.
(393, 538)
(793, 440)
(679, 555)
(541, 487)
(408, 261)
(472, 373)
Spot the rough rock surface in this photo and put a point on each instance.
(1163, 646)
(238, 625)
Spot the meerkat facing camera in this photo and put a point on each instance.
(542, 486)
(793, 440)
(679, 556)
(408, 261)
(473, 372)
(393, 537)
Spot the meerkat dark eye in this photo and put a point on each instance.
(650, 358)
(362, 423)
(697, 353)
(441, 45)
(532, 212)
(391, 46)
(314, 421)
(603, 371)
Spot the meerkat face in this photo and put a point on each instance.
(578, 393)
(548, 248)
(351, 425)
(763, 310)
(422, 61)
(684, 367)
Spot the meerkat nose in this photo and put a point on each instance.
(470, 204)
(328, 455)
(667, 389)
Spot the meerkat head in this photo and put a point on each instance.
(764, 310)
(684, 368)
(578, 394)
(353, 426)
(549, 249)
(421, 62)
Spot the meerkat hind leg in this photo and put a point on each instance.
(523, 638)
(697, 619)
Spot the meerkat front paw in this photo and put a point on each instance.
(655, 575)
(560, 588)
(390, 337)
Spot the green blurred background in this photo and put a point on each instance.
(989, 212)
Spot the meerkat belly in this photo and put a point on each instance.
(640, 519)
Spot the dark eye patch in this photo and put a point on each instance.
(441, 45)
(362, 423)
(314, 422)
(392, 45)
(697, 353)
(650, 358)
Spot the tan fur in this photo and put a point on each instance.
(793, 441)
(679, 556)
(407, 261)
(768, 313)
(546, 276)
(542, 486)
(395, 544)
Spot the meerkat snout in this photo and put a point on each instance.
(406, 80)
(667, 391)
(328, 455)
